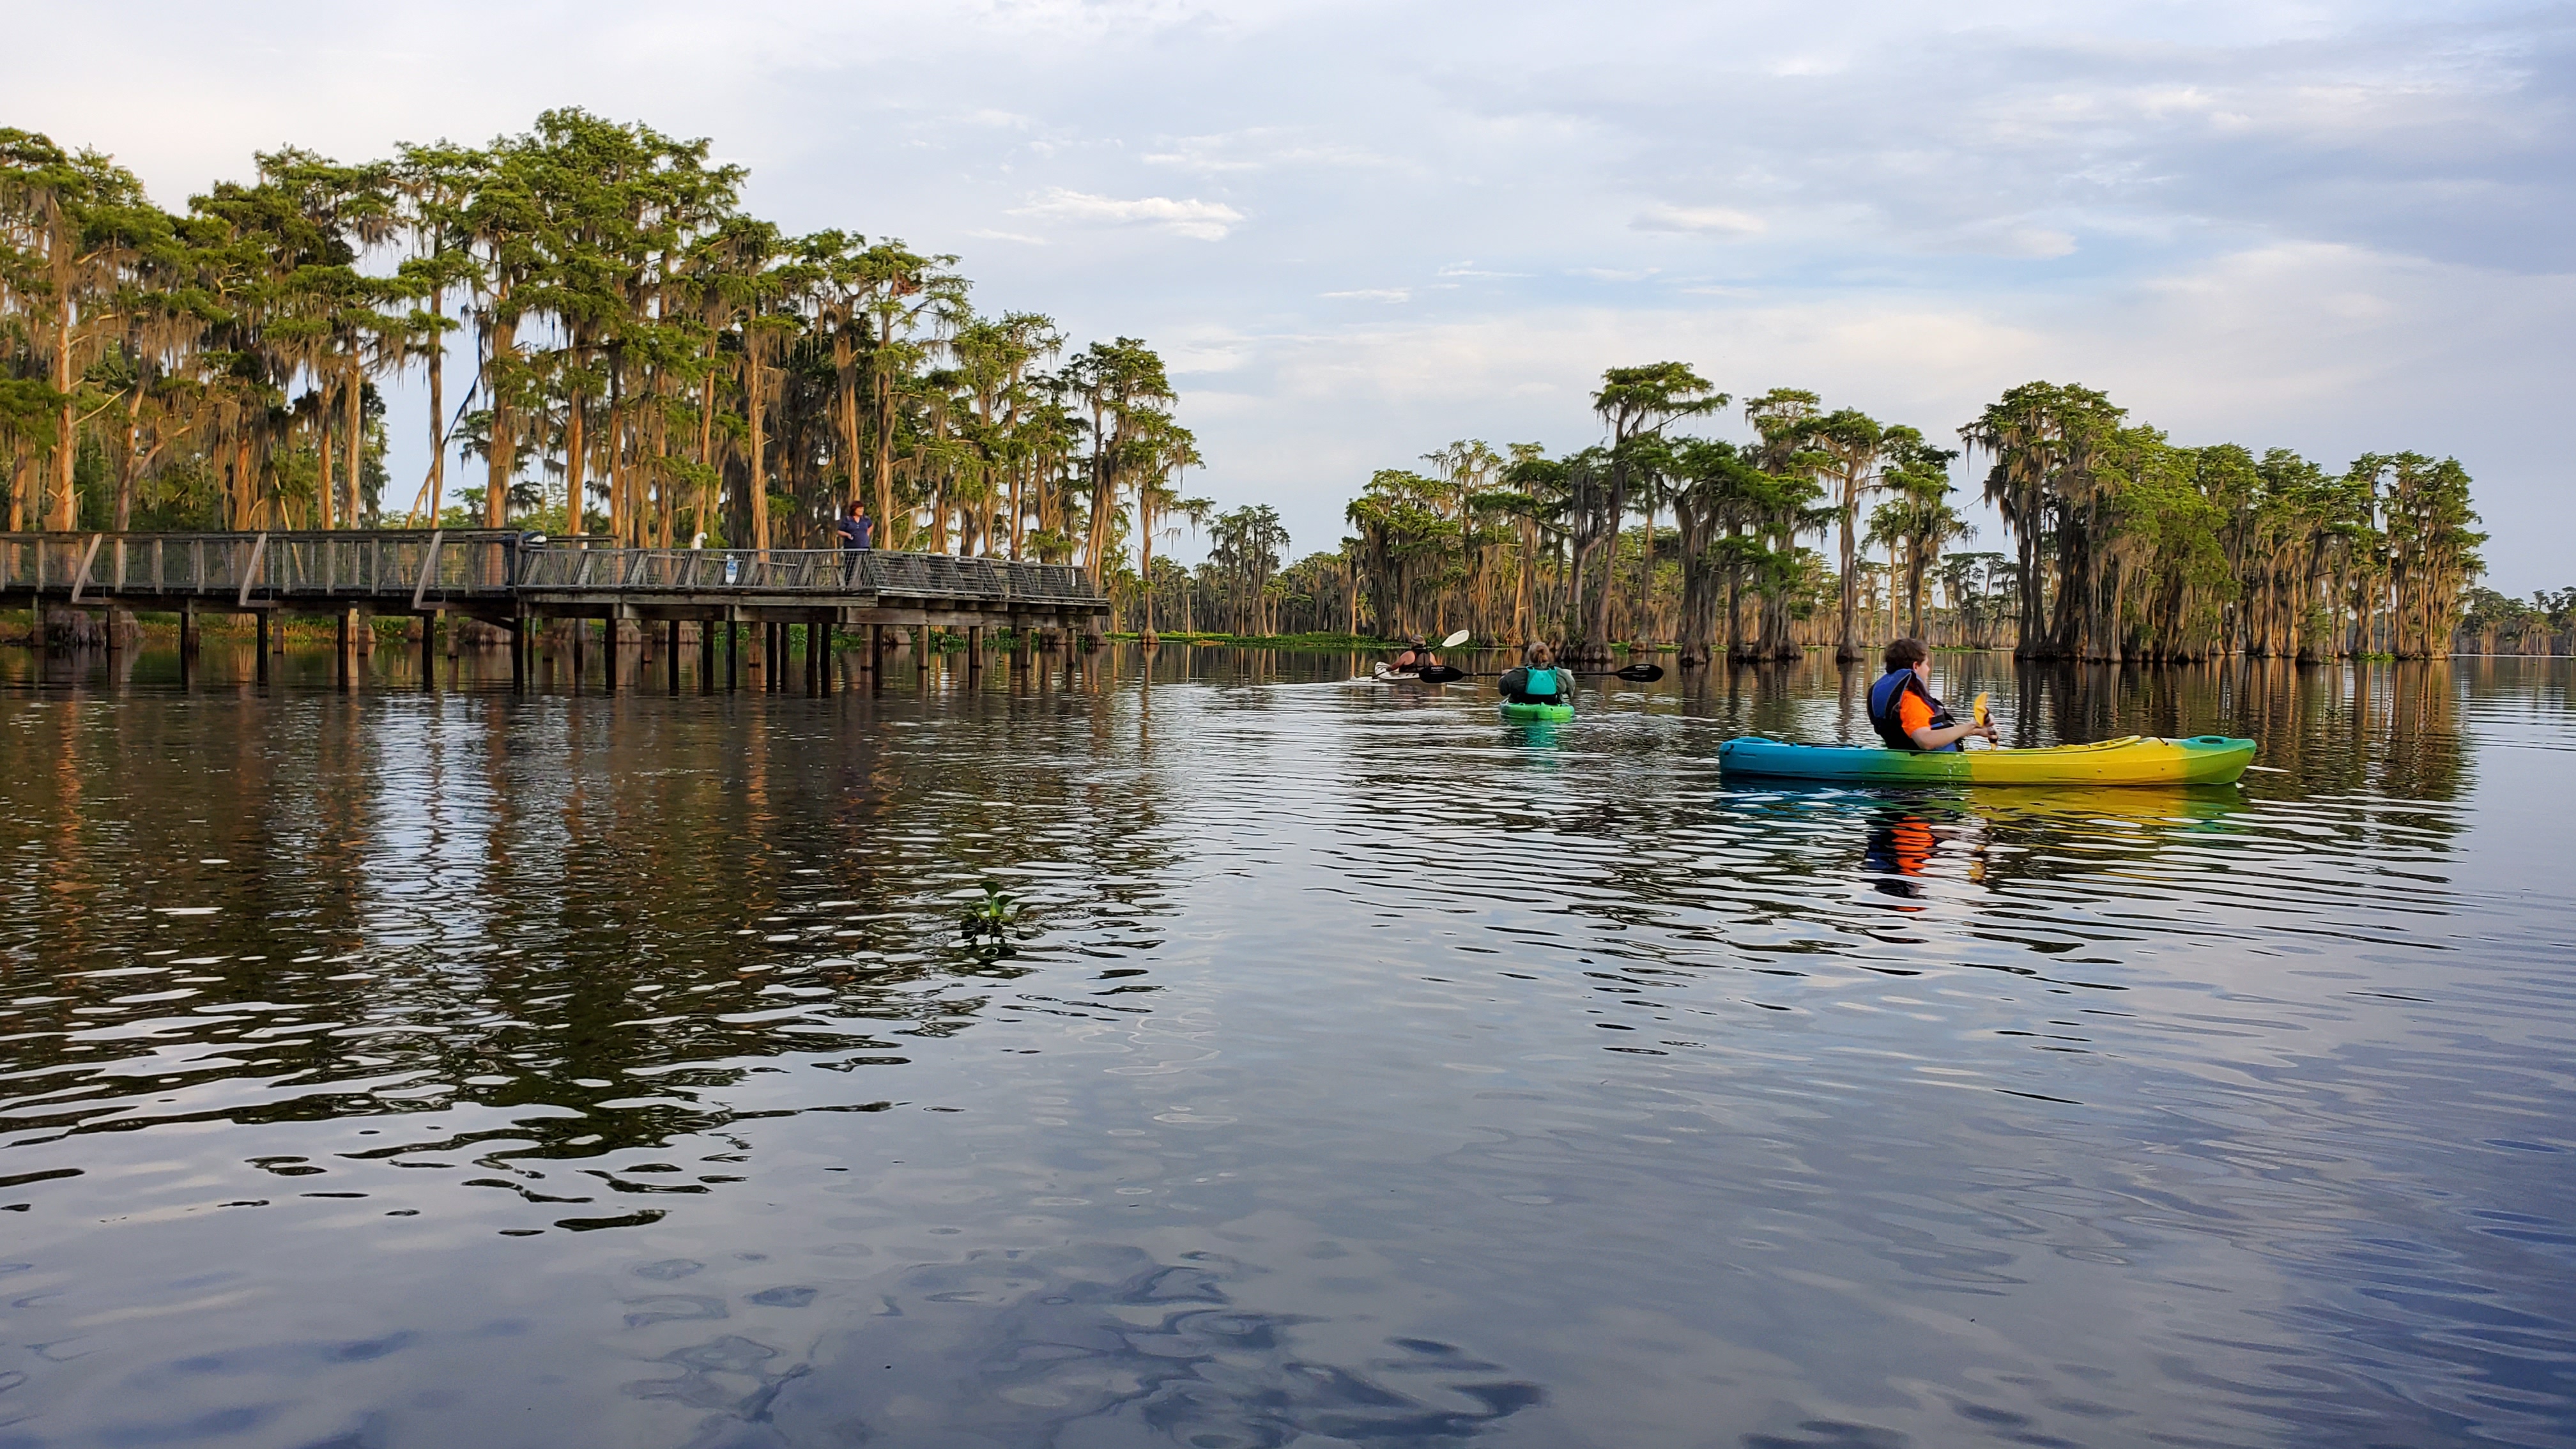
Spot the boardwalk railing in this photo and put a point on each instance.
(427, 567)
(433, 568)
(556, 569)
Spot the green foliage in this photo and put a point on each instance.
(2127, 545)
(640, 355)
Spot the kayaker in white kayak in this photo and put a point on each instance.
(1417, 653)
(1538, 680)
(1902, 707)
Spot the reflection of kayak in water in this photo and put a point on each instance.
(1537, 713)
(2134, 760)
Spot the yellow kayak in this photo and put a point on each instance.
(2132, 760)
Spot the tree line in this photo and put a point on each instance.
(1833, 527)
(642, 360)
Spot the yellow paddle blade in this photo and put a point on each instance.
(1982, 716)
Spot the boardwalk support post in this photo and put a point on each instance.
(250, 571)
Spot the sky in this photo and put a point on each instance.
(1359, 232)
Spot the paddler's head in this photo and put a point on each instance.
(1909, 654)
(1538, 656)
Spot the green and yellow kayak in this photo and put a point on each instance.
(2133, 760)
(1537, 713)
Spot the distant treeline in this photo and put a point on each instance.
(1835, 527)
(2496, 624)
(644, 359)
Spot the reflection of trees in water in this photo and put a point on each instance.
(557, 904)
(1096, 1345)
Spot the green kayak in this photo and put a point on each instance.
(1538, 713)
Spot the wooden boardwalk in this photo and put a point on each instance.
(508, 578)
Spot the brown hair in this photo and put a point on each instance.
(1905, 654)
(1530, 654)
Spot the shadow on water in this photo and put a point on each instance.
(1103, 1346)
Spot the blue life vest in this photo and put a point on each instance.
(1534, 686)
(1884, 715)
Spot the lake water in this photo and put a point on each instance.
(392, 1069)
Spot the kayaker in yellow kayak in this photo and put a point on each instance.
(1902, 707)
(1538, 680)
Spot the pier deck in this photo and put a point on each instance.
(507, 578)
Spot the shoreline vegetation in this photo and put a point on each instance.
(1834, 529)
(17, 628)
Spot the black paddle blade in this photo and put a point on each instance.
(1642, 673)
(1439, 674)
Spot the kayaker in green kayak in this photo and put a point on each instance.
(1538, 680)
(1903, 710)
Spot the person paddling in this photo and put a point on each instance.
(1902, 707)
(1538, 680)
(1417, 653)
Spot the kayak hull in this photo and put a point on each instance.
(2133, 760)
(1537, 713)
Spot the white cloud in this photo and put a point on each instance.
(1705, 220)
(1373, 294)
(1262, 148)
(1205, 220)
(2004, 238)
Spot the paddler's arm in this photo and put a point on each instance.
(1926, 737)
(1916, 716)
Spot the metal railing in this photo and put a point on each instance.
(422, 566)
(582, 568)
(439, 566)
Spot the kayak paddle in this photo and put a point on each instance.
(1634, 674)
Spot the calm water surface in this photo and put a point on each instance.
(457, 1069)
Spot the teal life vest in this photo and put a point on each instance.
(1535, 686)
